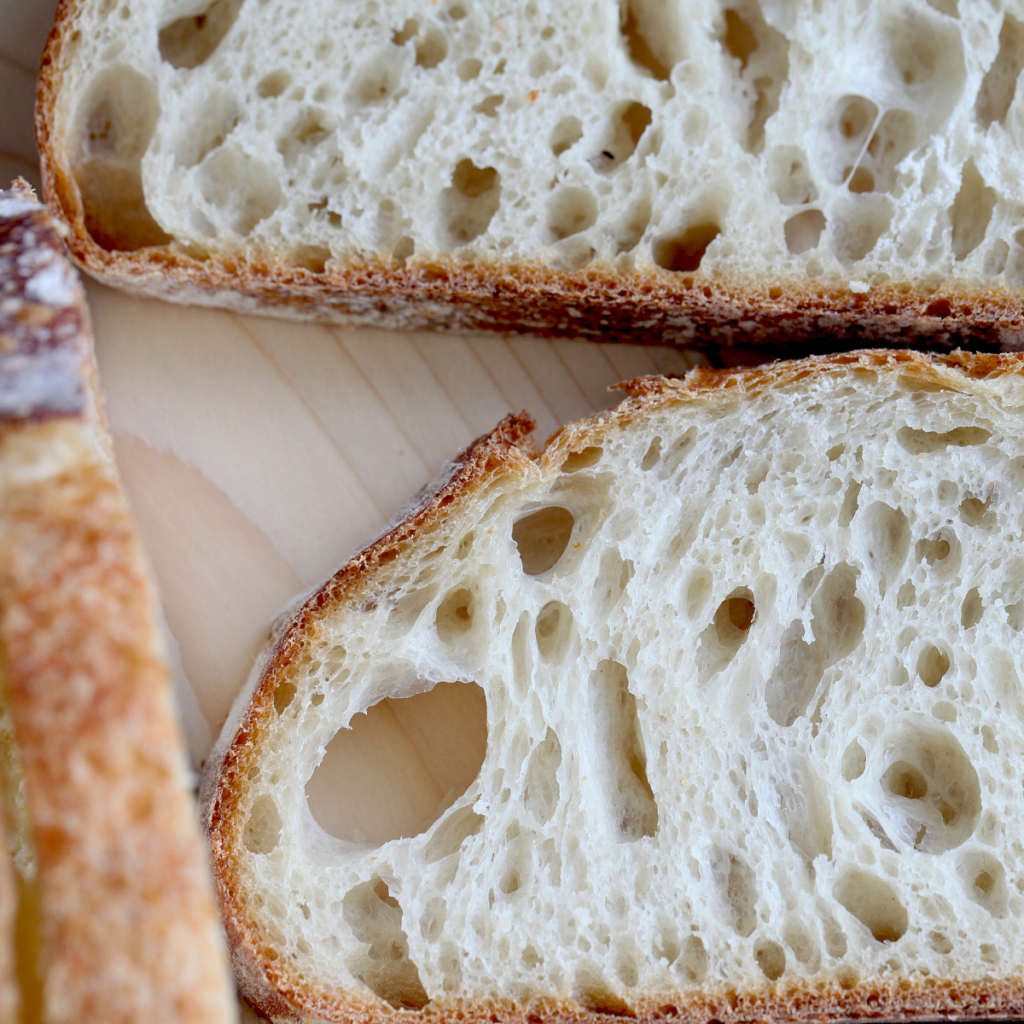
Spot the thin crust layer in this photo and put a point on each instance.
(501, 460)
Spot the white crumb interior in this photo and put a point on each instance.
(865, 142)
(731, 696)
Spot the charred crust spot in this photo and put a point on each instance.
(43, 344)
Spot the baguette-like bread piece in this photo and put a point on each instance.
(775, 172)
(711, 710)
(117, 922)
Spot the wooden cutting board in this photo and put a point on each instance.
(258, 454)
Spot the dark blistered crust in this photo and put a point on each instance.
(774, 314)
(506, 457)
(42, 330)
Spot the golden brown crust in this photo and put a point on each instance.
(128, 925)
(275, 989)
(774, 314)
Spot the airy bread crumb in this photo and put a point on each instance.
(714, 704)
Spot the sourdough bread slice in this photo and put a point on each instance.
(116, 920)
(782, 172)
(711, 710)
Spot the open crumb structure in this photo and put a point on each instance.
(756, 166)
(714, 709)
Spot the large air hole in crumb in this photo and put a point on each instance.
(892, 141)
(410, 28)
(585, 459)
(926, 56)
(984, 881)
(801, 941)
(924, 442)
(273, 85)
(653, 33)
(719, 643)
(554, 631)
(262, 830)
(942, 553)
(243, 189)
(541, 791)
(469, 205)
(971, 212)
(931, 790)
(488, 106)
(932, 665)
(795, 678)
(570, 211)
(886, 531)
(190, 41)
(847, 130)
(854, 761)
(771, 958)
(628, 124)
(738, 885)
(973, 511)
(763, 55)
(375, 918)
(1000, 81)
(431, 49)
(542, 537)
(632, 809)
(791, 177)
(397, 767)
(838, 623)
(684, 252)
(284, 694)
(455, 614)
(972, 609)
(114, 124)
(803, 231)
(693, 960)
(566, 134)
(874, 903)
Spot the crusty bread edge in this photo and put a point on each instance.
(268, 983)
(126, 908)
(780, 313)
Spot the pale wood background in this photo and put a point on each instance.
(258, 454)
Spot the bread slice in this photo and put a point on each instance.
(795, 175)
(116, 920)
(711, 710)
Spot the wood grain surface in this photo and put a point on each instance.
(258, 454)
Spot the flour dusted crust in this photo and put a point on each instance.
(127, 925)
(278, 986)
(777, 306)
